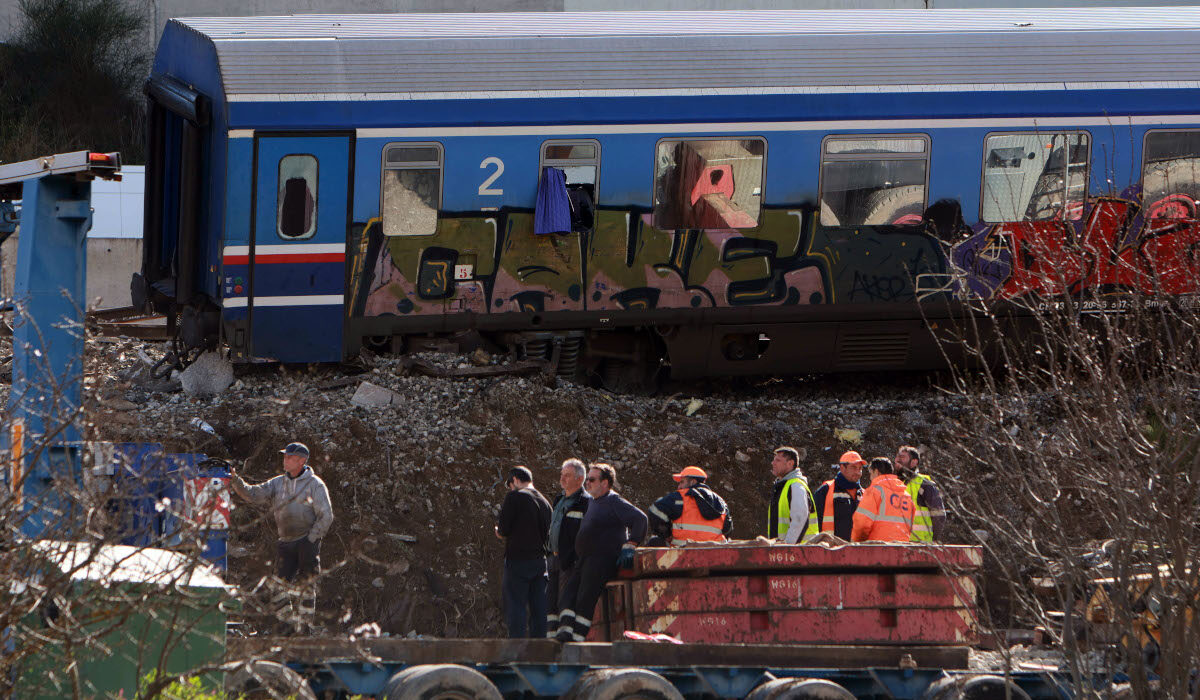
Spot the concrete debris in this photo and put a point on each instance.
(481, 358)
(693, 406)
(119, 404)
(850, 436)
(370, 395)
(209, 374)
(462, 369)
(741, 456)
(366, 630)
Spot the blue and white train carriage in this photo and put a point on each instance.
(720, 192)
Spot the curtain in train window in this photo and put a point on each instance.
(1034, 177)
(1171, 174)
(412, 189)
(297, 197)
(708, 184)
(871, 180)
(579, 162)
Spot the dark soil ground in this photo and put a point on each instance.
(416, 485)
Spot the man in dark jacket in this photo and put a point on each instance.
(693, 513)
(837, 499)
(565, 519)
(524, 525)
(611, 529)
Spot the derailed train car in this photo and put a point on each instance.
(716, 192)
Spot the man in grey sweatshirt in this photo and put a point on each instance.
(300, 503)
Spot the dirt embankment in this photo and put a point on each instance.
(415, 485)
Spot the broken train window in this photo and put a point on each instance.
(296, 217)
(569, 177)
(412, 189)
(708, 183)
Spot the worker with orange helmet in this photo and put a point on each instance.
(692, 513)
(837, 499)
(885, 513)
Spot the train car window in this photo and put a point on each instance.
(1171, 174)
(411, 194)
(579, 162)
(1034, 176)
(873, 180)
(296, 217)
(708, 183)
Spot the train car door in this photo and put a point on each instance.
(297, 260)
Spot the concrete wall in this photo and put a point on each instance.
(111, 263)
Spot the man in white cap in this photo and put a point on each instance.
(300, 503)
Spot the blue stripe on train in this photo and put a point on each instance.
(634, 110)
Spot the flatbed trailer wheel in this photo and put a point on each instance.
(440, 682)
(980, 687)
(263, 680)
(622, 684)
(800, 689)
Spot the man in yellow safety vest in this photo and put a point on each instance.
(793, 514)
(930, 518)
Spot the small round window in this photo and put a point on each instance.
(297, 216)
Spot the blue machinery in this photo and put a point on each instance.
(41, 443)
(42, 438)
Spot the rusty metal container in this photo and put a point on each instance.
(754, 558)
(880, 594)
(866, 626)
(802, 592)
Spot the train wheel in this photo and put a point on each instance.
(440, 682)
(263, 680)
(981, 687)
(622, 684)
(800, 689)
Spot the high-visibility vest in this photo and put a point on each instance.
(693, 527)
(827, 521)
(785, 509)
(885, 513)
(922, 530)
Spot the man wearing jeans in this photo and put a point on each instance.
(524, 525)
(300, 503)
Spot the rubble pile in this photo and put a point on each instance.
(415, 464)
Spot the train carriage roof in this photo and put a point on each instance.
(402, 56)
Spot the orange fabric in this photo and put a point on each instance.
(885, 513)
(682, 528)
(827, 513)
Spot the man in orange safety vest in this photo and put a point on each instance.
(837, 499)
(692, 513)
(886, 511)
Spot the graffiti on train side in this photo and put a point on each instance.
(1113, 248)
(494, 263)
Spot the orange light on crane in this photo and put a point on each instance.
(110, 159)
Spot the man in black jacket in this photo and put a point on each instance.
(568, 512)
(692, 513)
(611, 530)
(524, 525)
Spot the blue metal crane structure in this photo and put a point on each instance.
(41, 441)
